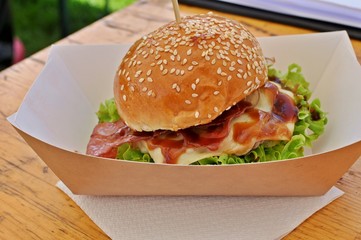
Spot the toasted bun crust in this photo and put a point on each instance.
(185, 74)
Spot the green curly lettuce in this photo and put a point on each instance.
(108, 111)
(309, 126)
(126, 152)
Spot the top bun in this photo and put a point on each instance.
(187, 73)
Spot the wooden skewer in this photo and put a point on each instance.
(176, 10)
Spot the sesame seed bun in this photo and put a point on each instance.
(185, 74)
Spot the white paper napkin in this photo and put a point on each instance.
(188, 217)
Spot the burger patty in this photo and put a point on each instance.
(267, 114)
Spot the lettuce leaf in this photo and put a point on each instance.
(108, 111)
(126, 152)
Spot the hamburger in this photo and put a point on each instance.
(200, 91)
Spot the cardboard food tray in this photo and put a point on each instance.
(57, 117)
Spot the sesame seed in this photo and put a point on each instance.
(216, 93)
(149, 79)
(219, 83)
(223, 74)
(231, 68)
(209, 116)
(190, 68)
(194, 95)
(229, 77)
(249, 83)
(159, 62)
(132, 88)
(150, 92)
(197, 80)
(177, 72)
(138, 73)
(194, 63)
(141, 80)
(215, 109)
(172, 70)
(196, 114)
(239, 75)
(152, 64)
(178, 88)
(245, 76)
(182, 72)
(149, 72)
(189, 52)
(161, 67)
(187, 101)
(124, 98)
(219, 70)
(184, 61)
(128, 79)
(239, 61)
(213, 61)
(172, 57)
(178, 58)
(165, 71)
(144, 89)
(122, 87)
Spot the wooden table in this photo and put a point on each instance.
(30, 204)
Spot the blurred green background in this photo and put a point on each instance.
(37, 22)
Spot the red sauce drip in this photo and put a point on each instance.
(284, 108)
(268, 126)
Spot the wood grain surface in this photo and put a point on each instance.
(31, 207)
